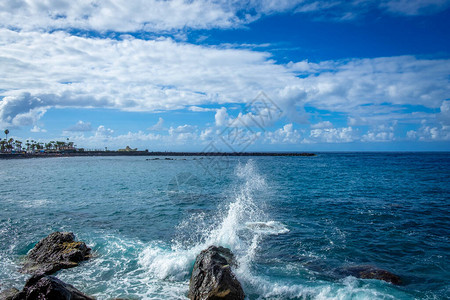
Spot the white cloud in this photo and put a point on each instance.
(365, 84)
(320, 125)
(429, 133)
(200, 109)
(221, 117)
(102, 131)
(208, 134)
(156, 75)
(332, 135)
(444, 115)
(255, 114)
(182, 129)
(176, 15)
(380, 133)
(132, 74)
(158, 126)
(285, 135)
(80, 126)
(37, 129)
(116, 15)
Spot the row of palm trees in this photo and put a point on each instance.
(10, 145)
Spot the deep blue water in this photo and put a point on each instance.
(291, 221)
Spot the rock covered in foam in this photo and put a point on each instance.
(212, 277)
(57, 251)
(49, 287)
(370, 272)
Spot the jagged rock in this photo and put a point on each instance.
(212, 278)
(9, 294)
(370, 272)
(49, 287)
(57, 251)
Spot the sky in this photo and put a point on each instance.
(230, 75)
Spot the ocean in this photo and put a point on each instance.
(290, 221)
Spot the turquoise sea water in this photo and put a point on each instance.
(291, 221)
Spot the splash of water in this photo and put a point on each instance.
(241, 227)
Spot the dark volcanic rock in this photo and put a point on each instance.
(370, 272)
(57, 251)
(49, 287)
(212, 278)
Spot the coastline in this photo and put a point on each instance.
(146, 153)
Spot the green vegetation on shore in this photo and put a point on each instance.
(12, 146)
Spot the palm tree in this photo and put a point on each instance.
(9, 144)
(2, 145)
(19, 145)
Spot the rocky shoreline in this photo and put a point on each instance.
(212, 277)
(57, 251)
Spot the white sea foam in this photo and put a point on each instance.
(241, 227)
(176, 260)
(268, 228)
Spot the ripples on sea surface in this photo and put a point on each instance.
(291, 221)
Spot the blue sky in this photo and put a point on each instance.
(298, 75)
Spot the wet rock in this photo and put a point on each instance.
(57, 251)
(9, 294)
(49, 287)
(370, 272)
(212, 277)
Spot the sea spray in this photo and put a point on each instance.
(240, 226)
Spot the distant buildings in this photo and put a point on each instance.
(127, 149)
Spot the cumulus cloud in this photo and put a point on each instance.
(444, 115)
(285, 135)
(320, 125)
(200, 109)
(380, 133)
(176, 15)
(221, 117)
(37, 129)
(132, 74)
(116, 15)
(368, 83)
(182, 129)
(332, 135)
(156, 75)
(102, 131)
(158, 126)
(429, 133)
(80, 126)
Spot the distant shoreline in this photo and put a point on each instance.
(146, 153)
